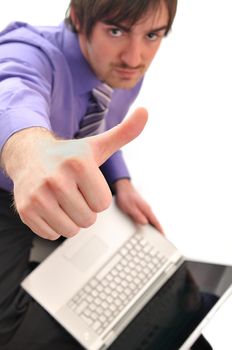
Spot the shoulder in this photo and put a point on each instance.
(20, 40)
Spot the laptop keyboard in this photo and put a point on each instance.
(101, 300)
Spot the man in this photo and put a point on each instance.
(119, 56)
(61, 173)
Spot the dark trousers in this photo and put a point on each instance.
(24, 324)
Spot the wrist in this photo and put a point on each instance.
(122, 185)
(22, 147)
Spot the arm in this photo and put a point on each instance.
(115, 169)
(58, 186)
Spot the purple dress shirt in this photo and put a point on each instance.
(45, 81)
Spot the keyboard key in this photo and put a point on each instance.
(108, 267)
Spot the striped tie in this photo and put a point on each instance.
(93, 121)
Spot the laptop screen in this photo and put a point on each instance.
(177, 309)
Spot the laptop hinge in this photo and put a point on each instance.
(108, 337)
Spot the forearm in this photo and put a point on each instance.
(22, 148)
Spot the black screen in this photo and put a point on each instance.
(177, 309)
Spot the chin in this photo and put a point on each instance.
(122, 84)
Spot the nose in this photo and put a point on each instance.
(132, 53)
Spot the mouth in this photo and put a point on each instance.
(127, 73)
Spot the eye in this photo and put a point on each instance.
(152, 36)
(115, 32)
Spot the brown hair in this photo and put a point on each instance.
(89, 12)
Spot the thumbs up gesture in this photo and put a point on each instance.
(58, 187)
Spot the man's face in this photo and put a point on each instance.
(119, 55)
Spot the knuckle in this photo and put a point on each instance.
(104, 203)
(76, 165)
(34, 201)
(71, 233)
(24, 214)
(54, 237)
(52, 182)
(89, 220)
(51, 236)
(57, 186)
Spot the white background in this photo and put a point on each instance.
(182, 161)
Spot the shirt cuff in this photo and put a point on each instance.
(115, 168)
(22, 118)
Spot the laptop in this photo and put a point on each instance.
(118, 285)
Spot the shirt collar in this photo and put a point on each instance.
(80, 69)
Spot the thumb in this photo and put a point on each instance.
(107, 143)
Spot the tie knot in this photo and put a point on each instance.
(103, 94)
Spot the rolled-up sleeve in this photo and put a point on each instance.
(25, 89)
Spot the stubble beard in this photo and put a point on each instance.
(116, 82)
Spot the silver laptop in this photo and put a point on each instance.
(98, 282)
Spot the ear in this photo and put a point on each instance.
(74, 18)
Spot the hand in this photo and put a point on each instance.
(130, 202)
(58, 186)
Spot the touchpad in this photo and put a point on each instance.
(88, 254)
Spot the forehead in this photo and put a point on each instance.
(152, 19)
(157, 18)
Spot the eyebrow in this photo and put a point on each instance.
(127, 29)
